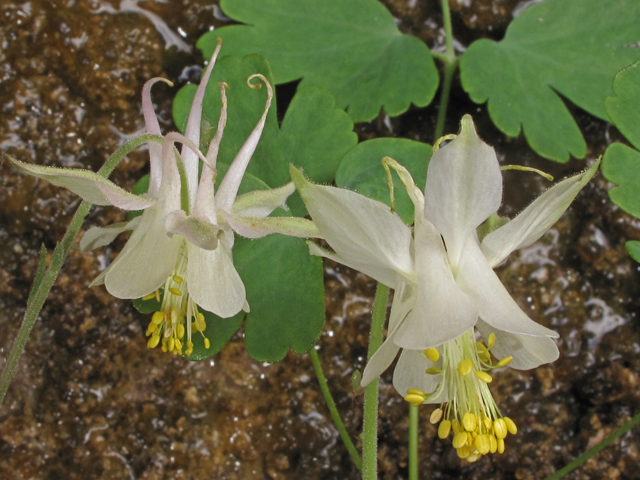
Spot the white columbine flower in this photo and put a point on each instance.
(445, 284)
(180, 248)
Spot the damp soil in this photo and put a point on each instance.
(89, 401)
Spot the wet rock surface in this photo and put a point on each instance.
(89, 401)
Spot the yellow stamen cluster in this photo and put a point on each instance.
(172, 323)
(471, 413)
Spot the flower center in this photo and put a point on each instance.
(470, 412)
(173, 321)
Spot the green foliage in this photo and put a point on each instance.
(352, 48)
(633, 247)
(621, 165)
(361, 170)
(314, 135)
(218, 331)
(554, 47)
(624, 107)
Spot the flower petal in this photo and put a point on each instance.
(442, 311)
(410, 373)
(99, 237)
(89, 185)
(230, 184)
(527, 351)
(380, 273)
(213, 282)
(146, 261)
(495, 305)
(530, 224)
(261, 203)
(403, 300)
(361, 230)
(155, 149)
(464, 187)
(257, 227)
(197, 231)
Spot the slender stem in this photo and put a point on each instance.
(450, 65)
(42, 286)
(370, 434)
(355, 456)
(413, 442)
(593, 451)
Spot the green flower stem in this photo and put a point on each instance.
(43, 283)
(355, 456)
(413, 442)
(593, 451)
(450, 65)
(370, 430)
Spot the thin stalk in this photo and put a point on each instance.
(355, 456)
(43, 285)
(450, 65)
(413, 442)
(370, 429)
(593, 451)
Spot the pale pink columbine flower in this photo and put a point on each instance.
(444, 282)
(180, 250)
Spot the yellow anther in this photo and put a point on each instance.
(494, 444)
(415, 399)
(500, 428)
(433, 371)
(153, 341)
(149, 297)
(465, 366)
(511, 426)
(464, 451)
(444, 429)
(457, 428)
(500, 445)
(164, 345)
(189, 348)
(417, 391)
(180, 331)
(152, 327)
(483, 443)
(505, 361)
(469, 421)
(175, 291)
(486, 423)
(459, 440)
(484, 376)
(491, 341)
(178, 345)
(157, 292)
(178, 279)
(432, 354)
(473, 457)
(201, 324)
(207, 343)
(485, 356)
(170, 344)
(157, 318)
(481, 347)
(436, 416)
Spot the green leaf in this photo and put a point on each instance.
(219, 331)
(553, 48)
(147, 306)
(40, 271)
(621, 165)
(624, 107)
(314, 135)
(361, 170)
(633, 247)
(285, 292)
(353, 48)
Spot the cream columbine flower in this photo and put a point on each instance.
(445, 284)
(180, 248)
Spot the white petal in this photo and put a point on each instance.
(153, 128)
(257, 227)
(147, 260)
(536, 219)
(527, 351)
(261, 203)
(464, 187)
(197, 231)
(402, 303)
(99, 237)
(213, 282)
(230, 184)
(410, 373)
(91, 186)
(495, 305)
(362, 231)
(442, 311)
(380, 273)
